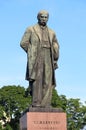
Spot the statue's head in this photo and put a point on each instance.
(42, 17)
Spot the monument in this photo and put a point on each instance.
(42, 49)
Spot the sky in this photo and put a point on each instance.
(68, 20)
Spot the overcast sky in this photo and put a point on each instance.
(67, 19)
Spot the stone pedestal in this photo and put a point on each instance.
(43, 121)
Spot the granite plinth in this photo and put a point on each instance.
(44, 120)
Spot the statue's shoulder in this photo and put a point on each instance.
(51, 30)
(31, 28)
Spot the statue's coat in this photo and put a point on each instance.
(31, 43)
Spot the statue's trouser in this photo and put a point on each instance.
(42, 86)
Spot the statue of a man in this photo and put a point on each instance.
(42, 48)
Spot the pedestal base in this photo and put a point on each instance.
(43, 121)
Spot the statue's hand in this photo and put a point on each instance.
(55, 65)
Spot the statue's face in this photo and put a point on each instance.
(43, 18)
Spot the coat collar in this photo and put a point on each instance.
(38, 32)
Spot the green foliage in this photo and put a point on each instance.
(16, 99)
(0, 126)
(76, 114)
(8, 127)
(55, 99)
(58, 101)
(75, 110)
(63, 102)
(1, 111)
(13, 102)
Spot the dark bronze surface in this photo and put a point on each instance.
(42, 48)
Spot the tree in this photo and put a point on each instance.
(76, 114)
(76, 111)
(55, 102)
(0, 126)
(14, 101)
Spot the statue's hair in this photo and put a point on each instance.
(42, 12)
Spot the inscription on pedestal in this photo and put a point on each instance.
(44, 121)
(46, 125)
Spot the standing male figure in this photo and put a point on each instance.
(42, 50)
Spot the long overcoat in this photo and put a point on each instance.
(31, 42)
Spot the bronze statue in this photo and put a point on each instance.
(42, 48)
